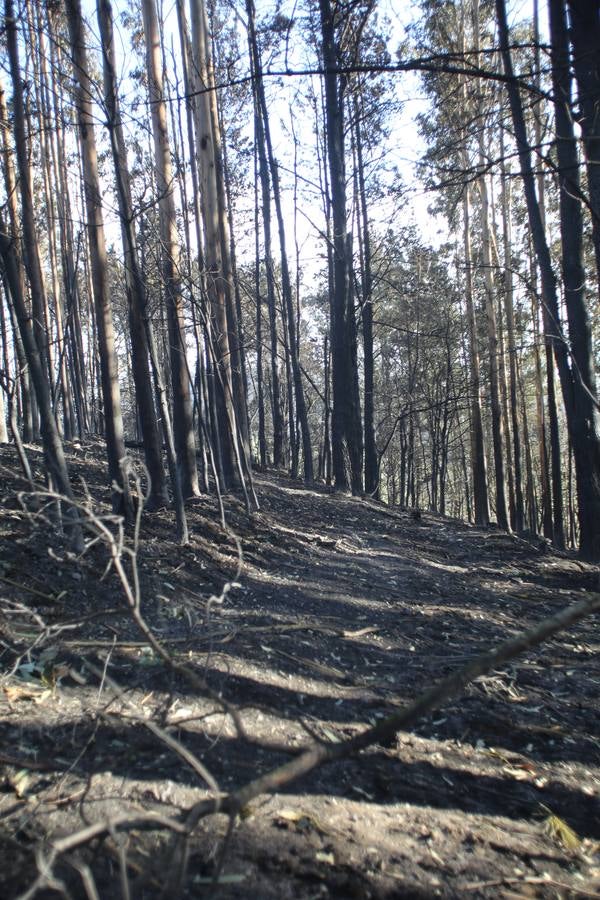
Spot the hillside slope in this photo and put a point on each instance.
(343, 610)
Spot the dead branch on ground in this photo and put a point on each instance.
(182, 826)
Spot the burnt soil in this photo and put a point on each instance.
(344, 610)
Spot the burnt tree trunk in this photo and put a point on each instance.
(346, 420)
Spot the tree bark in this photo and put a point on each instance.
(478, 460)
(115, 442)
(371, 458)
(512, 351)
(346, 420)
(577, 381)
(53, 448)
(10, 181)
(493, 346)
(31, 250)
(585, 39)
(136, 294)
(260, 391)
(61, 390)
(215, 272)
(183, 426)
(286, 284)
(263, 171)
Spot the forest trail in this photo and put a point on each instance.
(343, 611)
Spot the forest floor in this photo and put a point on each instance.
(343, 611)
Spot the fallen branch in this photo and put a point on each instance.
(427, 702)
(167, 739)
(127, 822)
(318, 754)
(323, 753)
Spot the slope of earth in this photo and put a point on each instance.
(336, 612)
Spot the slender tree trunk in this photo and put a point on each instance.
(584, 32)
(371, 460)
(69, 250)
(8, 386)
(10, 181)
(530, 506)
(60, 391)
(217, 241)
(510, 327)
(263, 170)
(260, 391)
(215, 273)
(31, 251)
(286, 284)
(286, 288)
(492, 330)
(571, 218)
(577, 381)
(346, 425)
(506, 421)
(490, 304)
(552, 490)
(68, 389)
(196, 286)
(183, 425)
(478, 461)
(136, 296)
(106, 338)
(53, 448)
(201, 316)
(207, 75)
(550, 473)
(327, 451)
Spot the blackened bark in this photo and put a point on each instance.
(180, 381)
(136, 294)
(263, 170)
(31, 251)
(115, 442)
(260, 390)
(585, 39)
(371, 458)
(478, 460)
(577, 383)
(53, 449)
(346, 421)
(286, 284)
(512, 351)
(26, 395)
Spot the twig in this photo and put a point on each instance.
(168, 739)
(122, 645)
(121, 849)
(529, 879)
(21, 763)
(25, 587)
(320, 753)
(89, 885)
(426, 702)
(100, 531)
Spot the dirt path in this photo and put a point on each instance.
(344, 610)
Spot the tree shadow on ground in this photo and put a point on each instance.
(405, 773)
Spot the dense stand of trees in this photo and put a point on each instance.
(226, 267)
